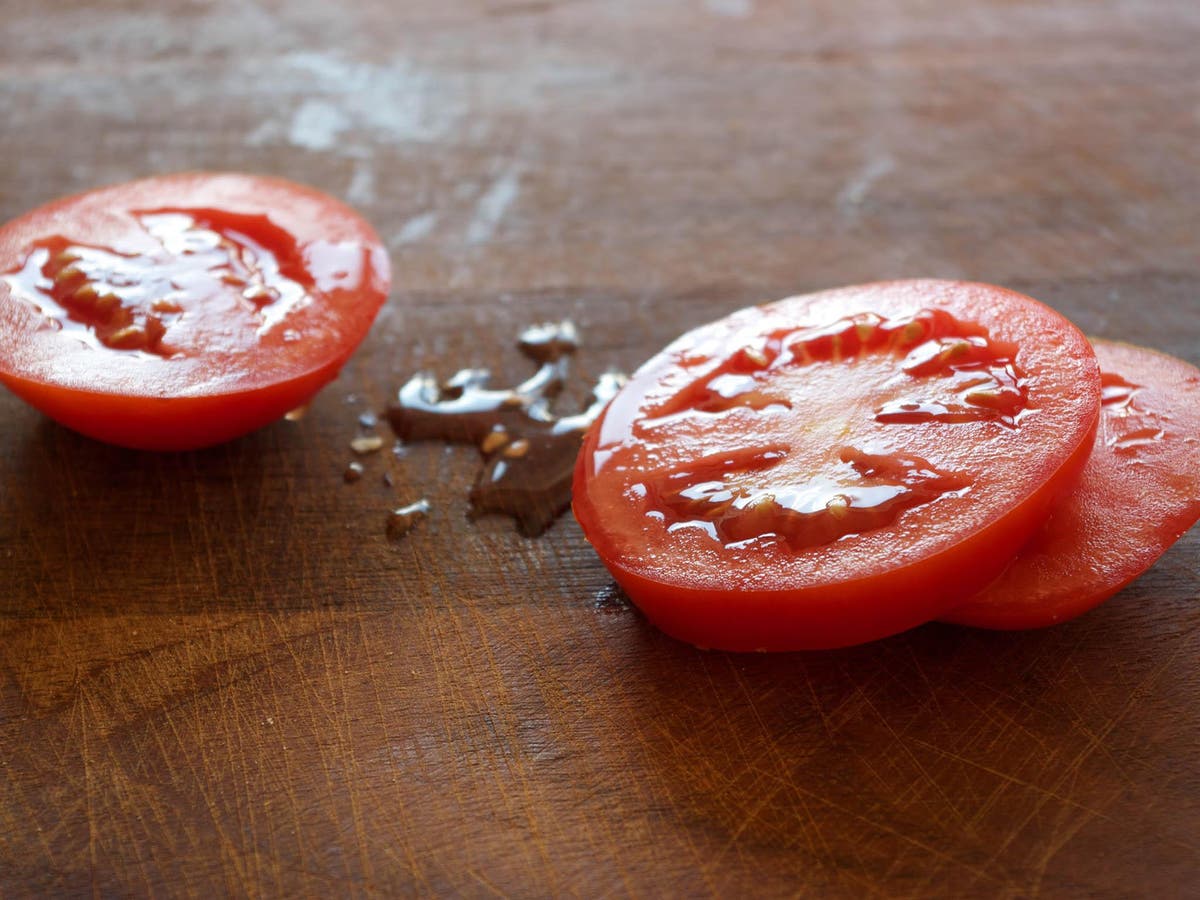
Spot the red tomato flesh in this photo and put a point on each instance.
(834, 468)
(1138, 494)
(185, 310)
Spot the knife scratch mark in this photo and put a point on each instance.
(1094, 742)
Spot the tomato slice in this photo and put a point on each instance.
(1138, 494)
(185, 310)
(837, 467)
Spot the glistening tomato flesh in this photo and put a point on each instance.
(833, 468)
(184, 310)
(1138, 494)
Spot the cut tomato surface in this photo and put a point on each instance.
(1138, 494)
(833, 468)
(181, 311)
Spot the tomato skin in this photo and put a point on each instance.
(862, 586)
(170, 424)
(226, 365)
(1138, 494)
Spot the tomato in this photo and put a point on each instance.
(833, 468)
(185, 310)
(1138, 494)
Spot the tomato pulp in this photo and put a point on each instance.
(182, 311)
(833, 468)
(1138, 494)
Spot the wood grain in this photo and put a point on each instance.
(217, 675)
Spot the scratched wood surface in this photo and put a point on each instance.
(218, 676)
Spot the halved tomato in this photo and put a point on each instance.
(1138, 494)
(185, 310)
(834, 468)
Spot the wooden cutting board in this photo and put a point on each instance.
(219, 676)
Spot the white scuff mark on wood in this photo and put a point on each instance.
(361, 191)
(265, 132)
(325, 66)
(347, 107)
(493, 205)
(317, 125)
(395, 100)
(417, 228)
(855, 191)
(731, 9)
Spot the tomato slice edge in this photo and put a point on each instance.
(1048, 582)
(203, 397)
(703, 614)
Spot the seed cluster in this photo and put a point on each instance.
(116, 324)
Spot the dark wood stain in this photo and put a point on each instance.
(528, 451)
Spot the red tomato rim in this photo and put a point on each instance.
(698, 608)
(155, 403)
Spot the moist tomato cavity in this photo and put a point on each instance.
(837, 467)
(240, 273)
